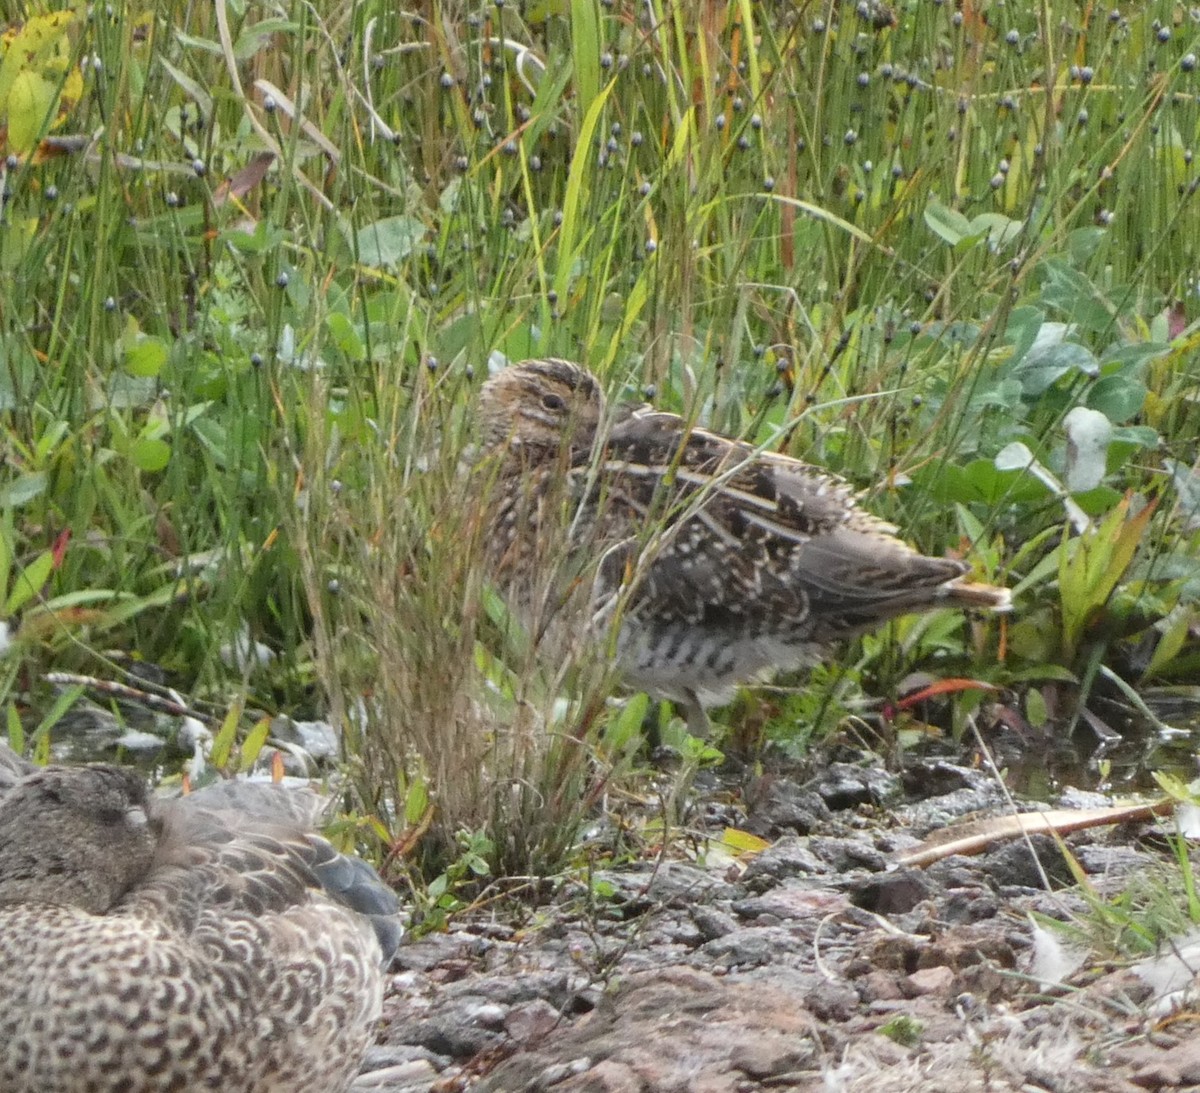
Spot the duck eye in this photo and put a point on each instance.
(553, 402)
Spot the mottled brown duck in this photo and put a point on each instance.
(208, 942)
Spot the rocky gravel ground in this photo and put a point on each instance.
(814, 964)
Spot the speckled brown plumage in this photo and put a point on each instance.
(723, 562)
(193, 944)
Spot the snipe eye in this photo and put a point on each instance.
(553, 402)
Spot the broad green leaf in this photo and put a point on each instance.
(20, 232)
(1075, 296)
(1025, 325)
(1117, 397)
(947, 224)
(541, 10)
(256, 37)
(31, 102)
(204, 45)
(146, 356)
(150, 454)
(1096, 501)
(1040, 369)
(969, 526)
(999, 229)
(345, 336)
(23, 490)
(980, 482)
(29, 582)
(817, 212)
(1132, 359)
(83, 596)
(263, 239)
(628, 725)
(1082, 244)
(388, 242)
(41, 735)
(214, 436)
(1043, 673)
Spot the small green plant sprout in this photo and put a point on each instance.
(458, 884)
(903, 1030)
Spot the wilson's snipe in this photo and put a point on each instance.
(723, 562)
(208, 942)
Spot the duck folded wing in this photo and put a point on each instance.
(248, 848)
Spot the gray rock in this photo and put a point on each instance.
(637, 890)
(780, 808)
(673, 1031)
(1013, 865)
(382, 1056)
(799, 902)
(450, 1030)
(893, 893)
(416, 1076)
(531, 1021)
(789, 857)
(712, 923)
(749, 947)
(847, 785)
(434, 950)
(843, 855)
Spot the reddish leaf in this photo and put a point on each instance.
(59, 549)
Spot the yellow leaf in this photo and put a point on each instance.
(30, 99)
(72, 89)
(743, 842)
(223, 743)
(40, 46)
(36, 67)
(253, 744)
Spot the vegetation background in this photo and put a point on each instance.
(255, 258)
